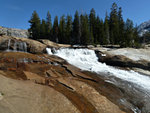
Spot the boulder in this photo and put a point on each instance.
(53, 44)
(121, 61)
(48, 43)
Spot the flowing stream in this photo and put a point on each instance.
(136, 85)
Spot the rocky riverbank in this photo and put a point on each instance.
(33, 81)
(46, 82)
(129, 58)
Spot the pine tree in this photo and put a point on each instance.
(92, 23)
(100, 31)
(48, 26)
(106, 29)
(62, 25)
(97, 28)
(76, 29)
(145, 38)
(43, 30)
(68, 29)
(34, 26)
(114, 25)
(129, 33)
(55, 30)
(86, 29)
(85, 34)
(121, 27)
(137, 38)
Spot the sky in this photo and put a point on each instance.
(17, 13)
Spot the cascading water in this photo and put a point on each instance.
(132, 82)
(8, 46)
(20, 46)
(25, 46)
(17, 46)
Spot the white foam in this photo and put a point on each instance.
(49, 51)
(87, 60)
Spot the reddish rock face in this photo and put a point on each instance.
(84, 91)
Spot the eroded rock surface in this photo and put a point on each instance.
(28, 97)
(43, 84)
(14, 32)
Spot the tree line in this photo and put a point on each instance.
(86, 29)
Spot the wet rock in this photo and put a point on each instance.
(9, 43)
(21, 44)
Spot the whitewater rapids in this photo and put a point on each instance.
(135, 85)
(86, 59)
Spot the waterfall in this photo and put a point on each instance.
(20, 46)
(25, 46)
(17, 46)
(8, 45)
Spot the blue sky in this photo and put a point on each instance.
(16, 13)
